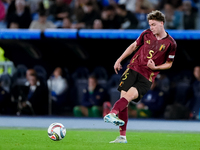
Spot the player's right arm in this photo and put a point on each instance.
(126, 53)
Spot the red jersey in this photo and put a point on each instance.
(149, 47)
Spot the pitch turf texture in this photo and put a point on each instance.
(37, 139)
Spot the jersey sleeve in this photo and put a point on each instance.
(172, 52)
(140, 39)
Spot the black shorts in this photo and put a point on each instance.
(131, 78)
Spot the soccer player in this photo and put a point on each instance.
(154, 51)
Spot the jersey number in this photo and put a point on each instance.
(125, 76)
(150, 54)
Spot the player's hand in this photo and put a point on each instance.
(117, 67)
(151, 64)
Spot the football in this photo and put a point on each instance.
(56, 131)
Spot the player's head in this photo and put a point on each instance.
(156, 21)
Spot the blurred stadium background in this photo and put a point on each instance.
(81, 48)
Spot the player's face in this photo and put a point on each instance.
(155, 26)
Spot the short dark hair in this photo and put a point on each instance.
(156, 15)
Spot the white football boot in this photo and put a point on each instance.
(119, 139)
(112, 118)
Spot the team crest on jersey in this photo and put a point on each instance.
(162, 47)
(148, 41)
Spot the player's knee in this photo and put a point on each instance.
(130, 97)
(77, 111)
(131, 94)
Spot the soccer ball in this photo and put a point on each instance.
(56, 131)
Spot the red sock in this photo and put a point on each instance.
(120, 105)
(123, 115)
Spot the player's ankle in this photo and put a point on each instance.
(123, 136)
(114, 112)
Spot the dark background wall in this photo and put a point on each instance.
(71, 54)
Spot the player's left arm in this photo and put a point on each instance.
(166, 65)
(169, 60)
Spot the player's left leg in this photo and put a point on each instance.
(122, 129)
(123, 115)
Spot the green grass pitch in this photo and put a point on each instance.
(37, 139)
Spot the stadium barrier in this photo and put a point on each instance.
(27, 34)
(23, 34)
